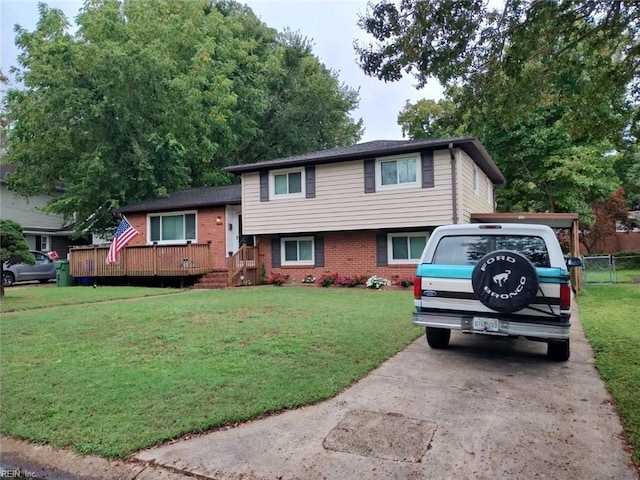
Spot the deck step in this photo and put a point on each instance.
(215, 279)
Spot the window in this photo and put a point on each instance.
(43, 243)
(398, 172)
(469, 249)
(297, 251)
(406, 247)
(489, 192)
(288, 183)
(172, 228)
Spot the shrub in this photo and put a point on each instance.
(309, 279)
(358, 280)
(405, 282)
(327, 279)
(377, 282)
(277, 278)
(342, 281)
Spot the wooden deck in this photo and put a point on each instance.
(142, 261)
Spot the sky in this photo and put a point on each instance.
(331, 25)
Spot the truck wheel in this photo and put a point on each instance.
(558, 351)
(505, 281)
(438, 337)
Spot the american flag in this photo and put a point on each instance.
(124, 234)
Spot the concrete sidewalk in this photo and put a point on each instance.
(487, 408)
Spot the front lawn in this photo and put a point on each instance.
(29, 297)
(610, 315)
(112, 377)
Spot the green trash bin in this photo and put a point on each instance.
(63, 277)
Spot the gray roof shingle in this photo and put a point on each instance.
(190, 198)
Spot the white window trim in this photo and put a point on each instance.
(286, 263)
(396, 186)
(476, 180)
(409, 261)
(170, 214)
(272, 184)
(489, 192)
(46, 241)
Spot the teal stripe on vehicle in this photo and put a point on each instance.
(444, 271)
(545, 275)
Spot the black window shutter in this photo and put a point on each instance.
(370, 175)
(264, 185)
(275, 253)
(381, 248)
(427, 169)
(318, 246)
(310, 180)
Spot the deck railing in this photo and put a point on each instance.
(241, 261)
(142, 261)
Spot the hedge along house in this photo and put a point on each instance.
(365, 209)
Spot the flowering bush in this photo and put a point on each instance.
(406, 281)
(277, 278)
(327, 279)
(358, 280)
(377, 282)
(309, 279)
(342, 281)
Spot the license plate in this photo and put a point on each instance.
(485, 324)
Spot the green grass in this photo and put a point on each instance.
(604, 276)
(43, 296)
(610, 315)
(112, 377)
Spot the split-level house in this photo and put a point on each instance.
(365, 209)
(43, 231)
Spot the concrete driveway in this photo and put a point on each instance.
(486, 408)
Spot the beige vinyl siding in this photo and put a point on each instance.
(341, 204)
(472, 202)
(29, 212)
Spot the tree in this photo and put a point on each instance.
(13, 247)
(608, 214)
(148, 97)
(428, 119)
(547, 86)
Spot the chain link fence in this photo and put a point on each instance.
(610, 269)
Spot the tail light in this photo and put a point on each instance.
(417, 288)
(565, 296)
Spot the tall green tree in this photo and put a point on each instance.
(150, 96)
(548, 86)
(13, 247)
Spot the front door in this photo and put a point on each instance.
(233, 228)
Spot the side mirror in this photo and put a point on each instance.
(573, 262)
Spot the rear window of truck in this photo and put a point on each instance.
(468, 249)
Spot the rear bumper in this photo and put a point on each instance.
(543, 330)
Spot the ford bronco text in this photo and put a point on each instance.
(495, 279)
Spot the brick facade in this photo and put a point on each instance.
(207, 228)
(345, 253)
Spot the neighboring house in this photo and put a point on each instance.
(43, 231)
(365, 209)
(206, 215)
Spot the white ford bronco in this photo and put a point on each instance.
(495, 279)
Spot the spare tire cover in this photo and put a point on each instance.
(505, 281)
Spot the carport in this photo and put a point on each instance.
(557, 221)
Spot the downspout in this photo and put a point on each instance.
(454, 184)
